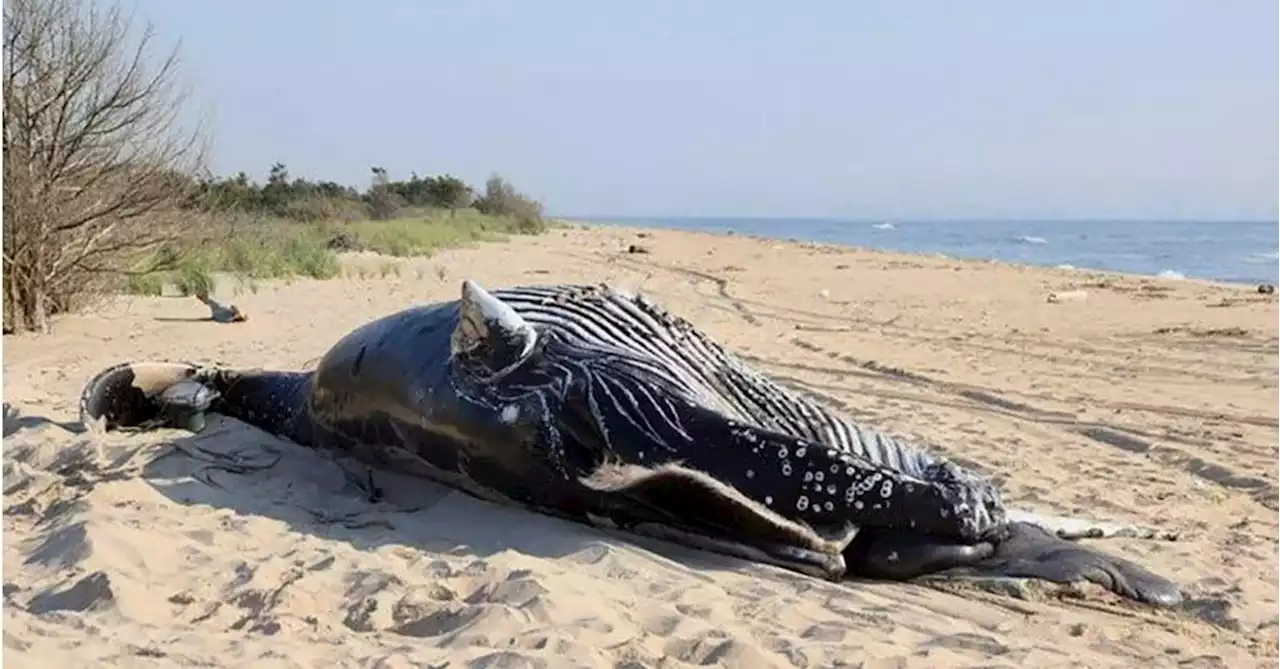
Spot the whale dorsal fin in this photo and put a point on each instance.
(490, 335)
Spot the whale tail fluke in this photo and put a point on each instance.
(143, 395)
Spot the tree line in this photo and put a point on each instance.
(300, 199)
(101, 170)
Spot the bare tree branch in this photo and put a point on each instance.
(98, 162)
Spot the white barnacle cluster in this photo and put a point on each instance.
(745, 435)
(864, 486)
(784, 457)
(282, 405)
(803, 504)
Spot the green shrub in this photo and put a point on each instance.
(256, 249)
(195, 279)
(150, 285)
(310, 257)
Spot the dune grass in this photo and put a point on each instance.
(274, 249)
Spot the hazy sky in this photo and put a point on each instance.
(1134, 108)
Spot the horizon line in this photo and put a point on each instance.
(904, 219)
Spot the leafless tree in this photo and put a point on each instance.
(97, 158)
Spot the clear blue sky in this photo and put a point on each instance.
(1128, 109)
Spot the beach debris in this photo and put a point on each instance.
(1067, 296)
(1266, 289)
(219, 313)
(344, 241)
(1202, 332)
(636, 248)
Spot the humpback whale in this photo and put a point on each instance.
(597, 405)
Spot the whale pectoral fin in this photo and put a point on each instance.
(144, 394)
(683, 505)
(490, 335)
(1070, 527)
(1031, 552)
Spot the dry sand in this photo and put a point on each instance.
(1149, 400)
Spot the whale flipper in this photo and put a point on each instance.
(1031, 552)
(655, 501)
(1025, 551)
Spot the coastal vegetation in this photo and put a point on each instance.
(107, 185)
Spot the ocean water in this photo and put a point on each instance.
(1231, 251)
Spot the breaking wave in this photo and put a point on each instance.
(1263, 257)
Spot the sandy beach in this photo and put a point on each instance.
(1125, 398)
